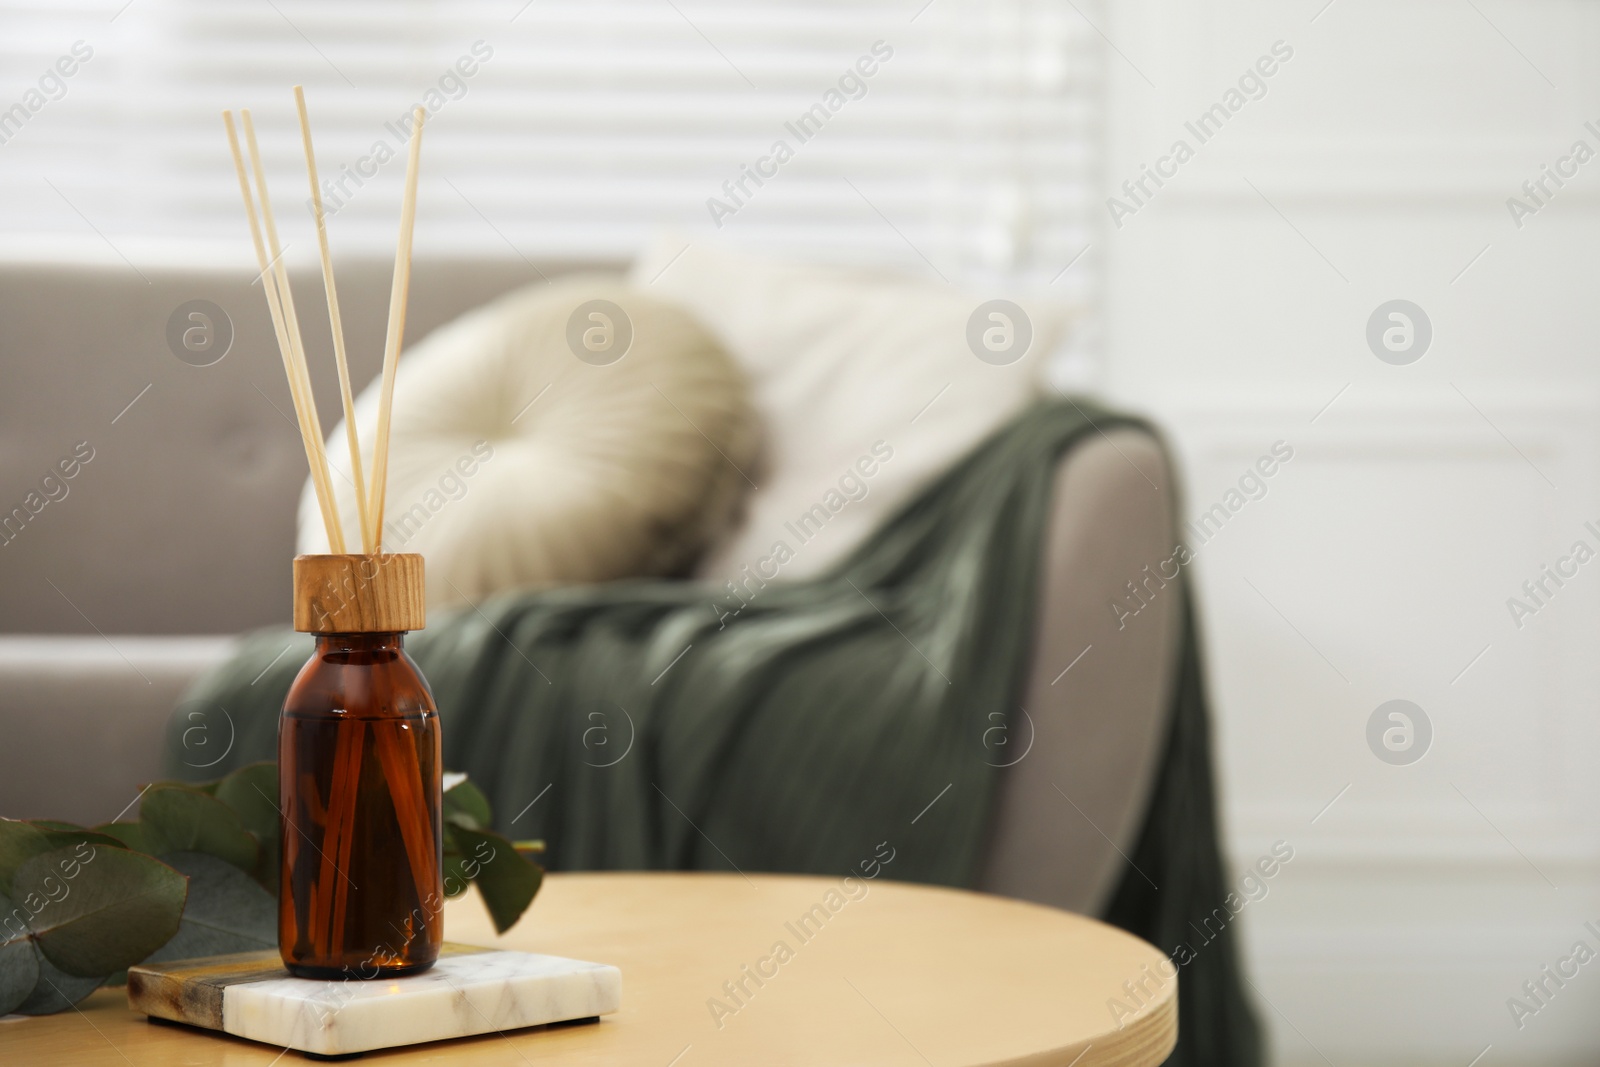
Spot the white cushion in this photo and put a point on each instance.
(866, 385)
(514, 463)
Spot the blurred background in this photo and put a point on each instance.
(1360, 231)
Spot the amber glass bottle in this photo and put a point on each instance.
(359, 778)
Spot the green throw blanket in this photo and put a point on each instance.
(645, 725)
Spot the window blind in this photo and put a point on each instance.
(953, 136)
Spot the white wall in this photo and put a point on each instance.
(1379, 563)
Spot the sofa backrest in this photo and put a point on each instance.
(142, 493)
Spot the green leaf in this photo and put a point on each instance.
(55, 991)
(62, 834)
(138, 836)
(20, 841)
(192, 821)
(506, 880)
(252, 793)
(94, 909)
(465, 804)
(454, 873)
(19, 964)
(208, 788)
(226, 911)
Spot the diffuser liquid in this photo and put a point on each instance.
(359, 778)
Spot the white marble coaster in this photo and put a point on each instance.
(469, 991)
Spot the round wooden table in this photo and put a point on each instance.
(899, 975)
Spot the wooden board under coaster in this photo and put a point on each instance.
(469, 991)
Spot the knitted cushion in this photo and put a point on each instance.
(575, 431)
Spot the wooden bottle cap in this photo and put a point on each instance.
(358, 593)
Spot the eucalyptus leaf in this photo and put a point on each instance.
(252, 793)
(209, 788)
(466, 801)
(226, 911)
(138, 836)
(194, 821)
(507, 880)
(61, 834)
(19, 966)
(21, 840)
(95, 913)
(454, 872)
(55, 990)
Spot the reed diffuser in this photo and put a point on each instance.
(358, 741)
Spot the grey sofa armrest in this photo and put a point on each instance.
(83, 719)
(1099, 690)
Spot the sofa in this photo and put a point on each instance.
(123, 581)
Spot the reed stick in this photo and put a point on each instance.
(315, 458)
(397, 325)
(343, 794)
(399, 761)
(308, 415)
(336, 325)
(402, 772)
